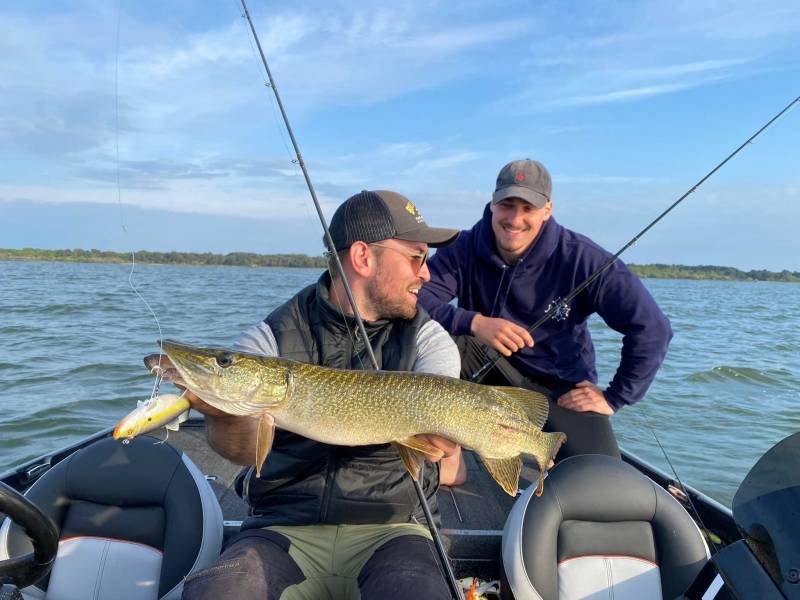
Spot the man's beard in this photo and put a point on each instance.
(386, 304)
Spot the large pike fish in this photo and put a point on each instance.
(355, 408)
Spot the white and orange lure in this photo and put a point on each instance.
(163, 410)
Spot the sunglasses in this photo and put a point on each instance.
(417, 260)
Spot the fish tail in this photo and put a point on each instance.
(544, 449)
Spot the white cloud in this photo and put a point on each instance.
(622, 95)
(634, 51)
(609, 179)
(192, 198)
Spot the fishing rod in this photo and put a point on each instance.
(445, 563)
(559, 306)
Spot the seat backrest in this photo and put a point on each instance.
(601, 529)
(134, 518)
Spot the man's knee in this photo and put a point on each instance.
(256, 564)
(406, 563)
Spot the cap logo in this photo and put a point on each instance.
(520, 176)
(414, 211)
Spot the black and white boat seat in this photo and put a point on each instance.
(135, 519)
(600, 530)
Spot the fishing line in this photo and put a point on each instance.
(445, 563)
(559, 305)
(294, 162)
(279, 129)
(705, 530)
(131, 282)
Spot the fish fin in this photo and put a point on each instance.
(420, 444)
(411, 458)
(264, 439)
(544, 450)
(175, 424)
(535, 404)
(505, 471)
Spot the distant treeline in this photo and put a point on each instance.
(660, 271)
(249, 259)
(234, 259)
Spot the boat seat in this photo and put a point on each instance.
(134, 520)
(601, 529)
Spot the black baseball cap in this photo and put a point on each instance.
(372, 216)
(526, 179)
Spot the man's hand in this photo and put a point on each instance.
(448, 447)
(452, 469)
(586, 397)
(502, 335)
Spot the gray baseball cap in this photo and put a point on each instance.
(372, 216)
(526, 179)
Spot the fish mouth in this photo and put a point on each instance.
(161, 366)
(193, 364)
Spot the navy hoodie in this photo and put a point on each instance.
(472, 271)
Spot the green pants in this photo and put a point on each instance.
(332, 556)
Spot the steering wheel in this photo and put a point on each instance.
(26, 570)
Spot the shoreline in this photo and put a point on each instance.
(248, 259)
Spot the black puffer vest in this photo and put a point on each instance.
(305, 482)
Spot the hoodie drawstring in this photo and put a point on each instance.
(497, 293)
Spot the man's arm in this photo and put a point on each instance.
(627, 307)
(230, 436)
(446, 268)
(437, 354)
(436, 294)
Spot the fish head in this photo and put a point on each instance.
(226, 378)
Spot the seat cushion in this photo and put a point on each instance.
(601, 577)
(88, 568)
(143, 499)
(601, 516)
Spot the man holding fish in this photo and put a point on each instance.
(339, 521)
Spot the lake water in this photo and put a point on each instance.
(72, 338)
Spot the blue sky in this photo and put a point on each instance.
(147, 125)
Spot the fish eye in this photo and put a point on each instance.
(224, 360)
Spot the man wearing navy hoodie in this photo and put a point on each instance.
(505, 273)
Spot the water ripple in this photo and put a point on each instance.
(73, 337)
(741, 374)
